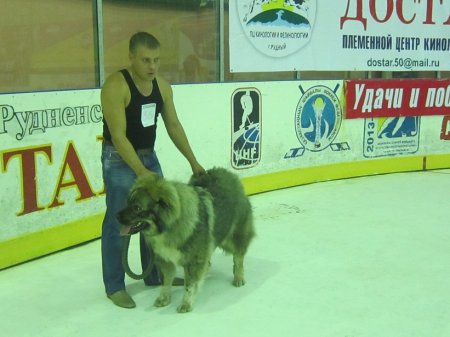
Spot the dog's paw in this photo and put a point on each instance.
(238, 282)
(162, 301)
(184, 307)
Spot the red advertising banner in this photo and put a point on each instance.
(396, 98)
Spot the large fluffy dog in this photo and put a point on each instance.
(184, 223)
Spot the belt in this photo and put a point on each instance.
(144, 151)
(138, 151)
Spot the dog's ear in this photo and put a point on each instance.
(163, 204)
(168, 200)
(160, 225)
(145, 181)
(134, 191)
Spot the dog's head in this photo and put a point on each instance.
(151, 205)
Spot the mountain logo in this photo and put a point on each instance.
(277, 28)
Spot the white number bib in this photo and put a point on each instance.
(148, 114)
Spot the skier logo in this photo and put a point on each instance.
(246, 123)
(277, 28)
(387, 136)
(394, 127)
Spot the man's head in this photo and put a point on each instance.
(143, 39)
(144, 54)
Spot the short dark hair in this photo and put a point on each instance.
(143, 39)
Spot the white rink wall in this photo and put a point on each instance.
(52, 190)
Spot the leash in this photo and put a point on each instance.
(126, 266)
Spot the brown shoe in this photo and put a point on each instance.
(122, 299)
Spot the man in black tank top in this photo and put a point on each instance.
(132, 100)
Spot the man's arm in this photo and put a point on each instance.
(114, 97)
(174, 128)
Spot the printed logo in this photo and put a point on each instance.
(318, 119)
(246, 128)
(277, 28)
(391, 136)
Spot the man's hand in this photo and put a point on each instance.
(198, 170)
(145, 172)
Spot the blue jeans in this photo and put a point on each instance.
(118, 178)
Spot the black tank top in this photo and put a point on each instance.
(140, 136)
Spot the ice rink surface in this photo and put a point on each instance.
(358, 257)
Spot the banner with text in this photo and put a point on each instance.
(397, 98)
(365, 35)
(49, 160)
